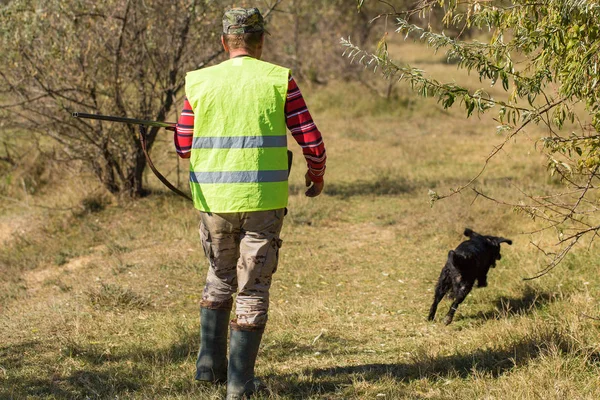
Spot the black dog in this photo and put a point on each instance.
(470, 261)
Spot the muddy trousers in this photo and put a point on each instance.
(243, 250)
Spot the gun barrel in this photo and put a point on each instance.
(125, 120)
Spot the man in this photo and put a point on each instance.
(233, 130)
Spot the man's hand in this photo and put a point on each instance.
(315, 189)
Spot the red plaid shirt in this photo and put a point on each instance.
(298, 121)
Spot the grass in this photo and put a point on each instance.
(100, 298)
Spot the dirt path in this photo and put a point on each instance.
(11, 225)
(37, 277)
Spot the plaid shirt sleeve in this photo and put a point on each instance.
(306, 133)
(184, 132)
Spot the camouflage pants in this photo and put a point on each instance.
(243, 250)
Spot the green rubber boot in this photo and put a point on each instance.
(243, 349)
(211, 365)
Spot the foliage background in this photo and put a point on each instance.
(129, 58)
(545, 59)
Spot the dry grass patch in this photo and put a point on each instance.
(112, 296)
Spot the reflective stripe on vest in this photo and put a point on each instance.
(239, 176)
(238, 160)
(238, 142)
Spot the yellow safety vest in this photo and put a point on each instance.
(238, 160)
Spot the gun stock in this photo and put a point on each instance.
(134, 121)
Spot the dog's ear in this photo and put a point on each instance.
(503, 240)
(468, 232)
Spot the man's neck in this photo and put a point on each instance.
(241, 53)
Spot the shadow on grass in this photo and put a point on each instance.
(105, 376)
(185, 347)
(383, 185)
(530, 300)
(35, 369)
(278, 350)
(14, 356)
(167, 194)
(489, 362)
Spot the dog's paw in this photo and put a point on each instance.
(447, 320)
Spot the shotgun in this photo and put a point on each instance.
(126, 120)
(167, 125)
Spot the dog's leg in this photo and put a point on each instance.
(441, 289)
(482, 277)
(439, 295)
(460, 295)
(482, 281)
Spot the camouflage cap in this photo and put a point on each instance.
(237, 21)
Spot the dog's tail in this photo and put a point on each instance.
(451, 254)
(455, 259)
(458, 260)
